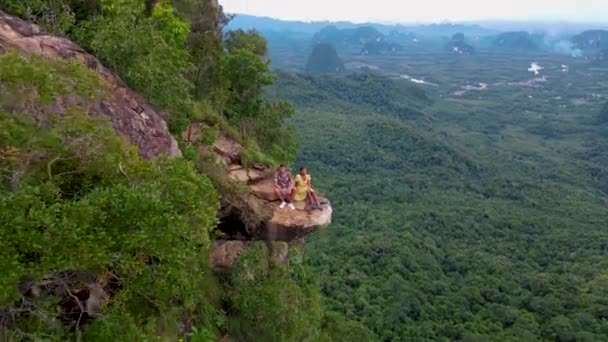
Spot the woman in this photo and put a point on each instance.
(304, 190)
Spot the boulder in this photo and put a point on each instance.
(264, 190)
(225, 254)
(279, 252)
(239, 174)
(132, 117)
(228, 149)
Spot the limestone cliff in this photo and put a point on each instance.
(132, 117)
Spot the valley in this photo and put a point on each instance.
(469, 191)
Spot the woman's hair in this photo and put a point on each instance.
(302, 168)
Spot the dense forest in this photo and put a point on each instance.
(83, 216)
(434, 241)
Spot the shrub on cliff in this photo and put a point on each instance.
(81, 214)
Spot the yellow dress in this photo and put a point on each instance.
(302, 186)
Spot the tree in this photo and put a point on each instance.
(54, 16)
(247, 73)
(207, 20)
(149, 53)
(249, 40)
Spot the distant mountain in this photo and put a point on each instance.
(324, 59)
(449, 29)
(591, 39)
(265, 24)
(381, 47)
(520, 40)
(355, 36)
(459, 45)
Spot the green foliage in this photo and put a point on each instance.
(336, 328)
(55, 16)
(206, 48)
(451, 231)
(30, 81)
(362, 91)
(151, 55)
(251, 41)
(76, 199)
(247, 74)
(273, 303)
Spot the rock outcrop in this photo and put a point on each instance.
(324, 59)
(259, 200)
(252, 211)
(226, 253)
(132, 117)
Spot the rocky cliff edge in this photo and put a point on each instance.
(144, 126)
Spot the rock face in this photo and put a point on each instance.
(132, 117)
(324, 59)
(226, 253)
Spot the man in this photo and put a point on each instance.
(304, 190)
(283, 187)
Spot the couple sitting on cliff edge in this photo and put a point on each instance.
(299, 189)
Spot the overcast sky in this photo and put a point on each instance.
(423, 10)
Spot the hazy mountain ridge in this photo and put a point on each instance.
(591, 39)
